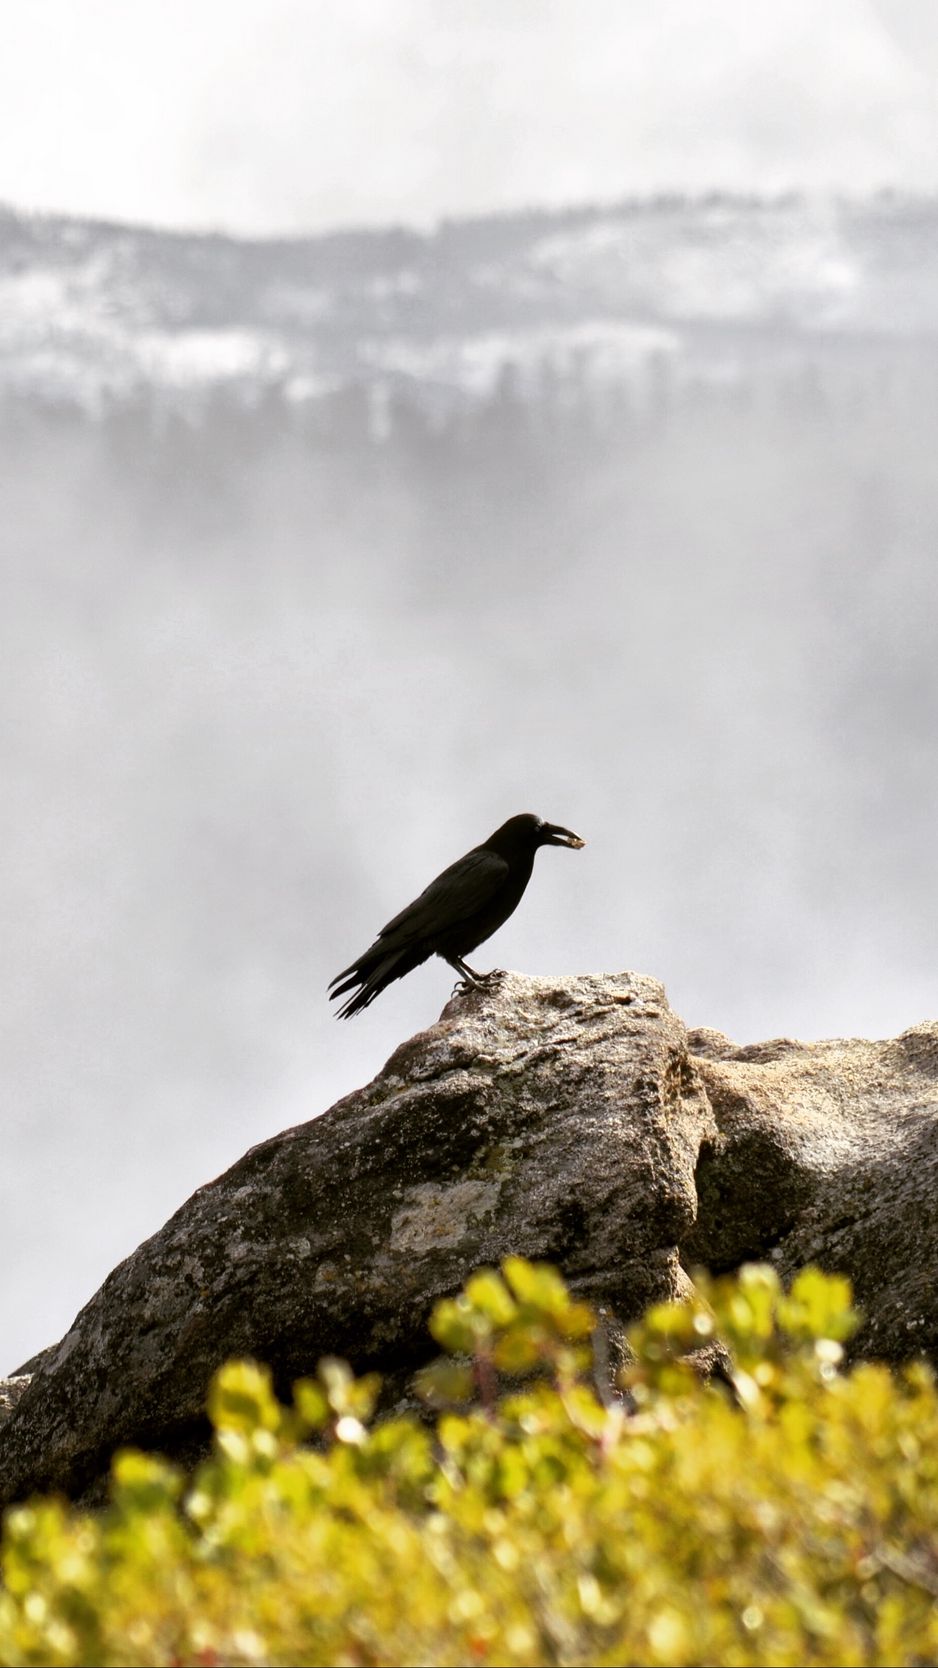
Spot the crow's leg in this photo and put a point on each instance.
(469, 979)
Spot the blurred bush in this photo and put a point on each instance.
(786, 1514)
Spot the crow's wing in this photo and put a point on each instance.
(462, 889)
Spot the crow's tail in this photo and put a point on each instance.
(371, 974)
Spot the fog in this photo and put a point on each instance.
(268, 116)
(266, 670)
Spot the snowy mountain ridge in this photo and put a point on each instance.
(94, 315)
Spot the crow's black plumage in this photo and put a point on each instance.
(458, 911)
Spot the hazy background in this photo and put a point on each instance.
(286, 115)
(322, 554)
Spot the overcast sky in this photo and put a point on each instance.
(286, 115)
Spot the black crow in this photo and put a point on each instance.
(458, 911)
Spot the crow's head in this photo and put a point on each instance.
(524, 834)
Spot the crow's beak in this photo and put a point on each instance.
(552, 835)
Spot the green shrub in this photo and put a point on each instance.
(791, 1517)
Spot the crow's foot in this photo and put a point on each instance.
(478, 981)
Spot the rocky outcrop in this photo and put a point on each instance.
(570, 1119)
(828, 1153)
(557, 1119)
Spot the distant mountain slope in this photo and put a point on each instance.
(93, 314)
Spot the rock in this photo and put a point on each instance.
(11, 1389)
(569, 1119)
(558, 1119)
(827, 1153)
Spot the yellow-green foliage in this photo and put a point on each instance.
(790, 1518)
